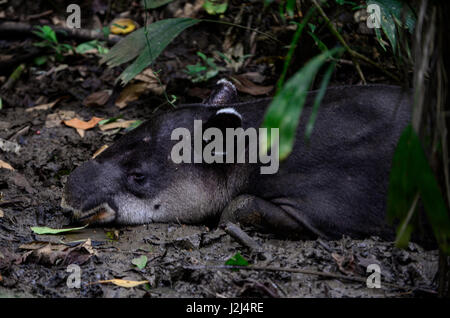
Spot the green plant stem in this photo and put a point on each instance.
(150, 54)
(408, 218)
(354, 55)
(292, 48)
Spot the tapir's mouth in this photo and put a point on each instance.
(102, 213)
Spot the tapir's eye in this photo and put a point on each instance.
(136, 177)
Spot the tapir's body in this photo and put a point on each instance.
(332, 185)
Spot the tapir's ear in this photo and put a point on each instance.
(224, 118)
(224, 93)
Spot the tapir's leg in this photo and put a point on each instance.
(264, 216)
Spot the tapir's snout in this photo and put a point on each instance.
(86, 194)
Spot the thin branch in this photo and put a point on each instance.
(11, 28)
(358, 279)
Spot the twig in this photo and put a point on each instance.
(14, 28)
(241, 237)
(354, 55)
(358, 279)
(39, 15)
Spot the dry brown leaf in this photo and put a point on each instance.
(2, 214)
(246, 86)
(130, 93)
(98, 98)
(57, 254)
(117, 124)
(100, 150)
(123, 282)
(43, 106)
(6, 165)
(81, 132)
(81, 124)
(346, 263)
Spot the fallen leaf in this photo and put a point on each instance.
(117, 124)
(237, 260)
(153, 83)
(58, 254)
(2, 214)
(246, 86)
(345, 263)
(140, 262)
(130, 93)
(81, 132)
(5, 165)
(47, 230)
(123, 282)
(100, 150)
(81, 124)
(98, 98)
(43, 106)
(122, 26)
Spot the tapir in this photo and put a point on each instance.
(332, 184)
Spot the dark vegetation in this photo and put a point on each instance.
(67, 92)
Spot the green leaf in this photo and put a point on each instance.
(286, 108)
(215, 6)
(109, 120)
(237, 260)
(86, 46)
(47, 230)
(134, 125)
(320, 94)
(152, 4)
(140, 262)
(393, 13)
(412, 174)
(160, 34)
(40, 60)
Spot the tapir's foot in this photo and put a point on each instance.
(263, 216)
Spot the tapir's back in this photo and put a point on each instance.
(337, 181)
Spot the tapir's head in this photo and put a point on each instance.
(136, 180)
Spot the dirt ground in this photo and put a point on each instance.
(181, 258)
(31, 196)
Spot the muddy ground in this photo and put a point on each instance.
(31, 196)
(180, 257)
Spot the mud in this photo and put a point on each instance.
(181, 258)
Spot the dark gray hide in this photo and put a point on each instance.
(332, 186)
